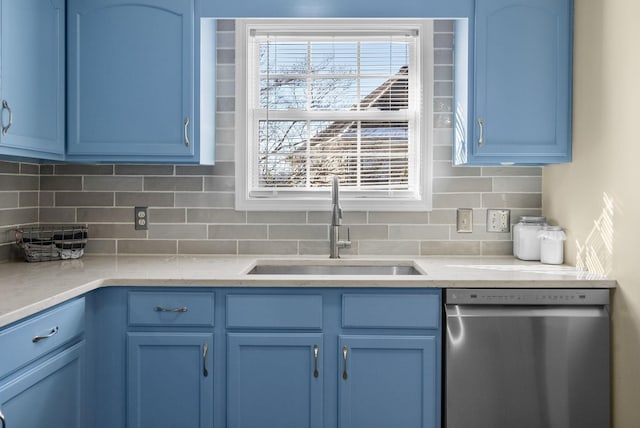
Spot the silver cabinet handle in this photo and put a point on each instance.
(205, 351)
(53, 332)
(163, 309)
(344, 362)
(481, 137)
(5, 106)
(186, 132)
(316, 351)
(4, 424)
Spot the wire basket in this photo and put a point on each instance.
(52, 242)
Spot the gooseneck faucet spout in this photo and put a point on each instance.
(336, 210)
(336, 220)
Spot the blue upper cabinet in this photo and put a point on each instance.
(131, 81)
(520, 112)
(32, 78)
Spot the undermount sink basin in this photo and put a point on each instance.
(333, 269)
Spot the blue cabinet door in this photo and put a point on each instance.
(522, 103)
(130, 81)
(32, 78)
(389, 381)
(49, 394)
(169, 380)
(274, 380)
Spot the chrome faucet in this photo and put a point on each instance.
(336, 220)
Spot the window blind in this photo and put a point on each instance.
(327, 103)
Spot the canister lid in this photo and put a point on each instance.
(532, 219)
(552, 228)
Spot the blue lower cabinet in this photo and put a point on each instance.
(169, 380)
(388, 381)
(48, 394)
(274, 380)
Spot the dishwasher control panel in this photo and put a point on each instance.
(502, 296)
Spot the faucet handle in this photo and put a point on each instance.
(347, 243)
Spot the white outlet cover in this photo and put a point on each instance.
(498, 220)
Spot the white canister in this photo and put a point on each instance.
(551, 245)
(526, 245)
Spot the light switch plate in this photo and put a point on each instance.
(465, 220)
(498, 220)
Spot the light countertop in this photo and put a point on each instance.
(27, 288)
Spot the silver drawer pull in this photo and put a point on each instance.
(163, 309)
(4, 424)
(5, 106)
(344, 362)
(205, 351)
(186, 131)
(53, 332)
(316, 351)
(481, 138)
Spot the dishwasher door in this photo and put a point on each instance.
(527, 366)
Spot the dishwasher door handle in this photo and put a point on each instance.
(518, 311)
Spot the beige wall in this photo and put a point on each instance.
(597, 197)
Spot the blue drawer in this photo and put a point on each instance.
(28, 340)
(166, 308)
(274, 311)
(391, 311)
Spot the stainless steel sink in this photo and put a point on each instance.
(333, 269)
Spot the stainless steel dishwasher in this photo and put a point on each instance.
(522, 358)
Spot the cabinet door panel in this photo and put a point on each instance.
(271, 382)
(169, 380)
(390, 381)
(48, 395)
(522, 82)
(32, 74)
(131, 79)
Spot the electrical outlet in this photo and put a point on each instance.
(498, 220)
(465, 220)
(140, 218)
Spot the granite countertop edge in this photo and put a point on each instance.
(28, 288)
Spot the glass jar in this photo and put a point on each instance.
(551, 245)
(526, 245)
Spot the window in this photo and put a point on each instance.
(317, 98)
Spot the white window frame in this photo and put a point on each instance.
(319, 199)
